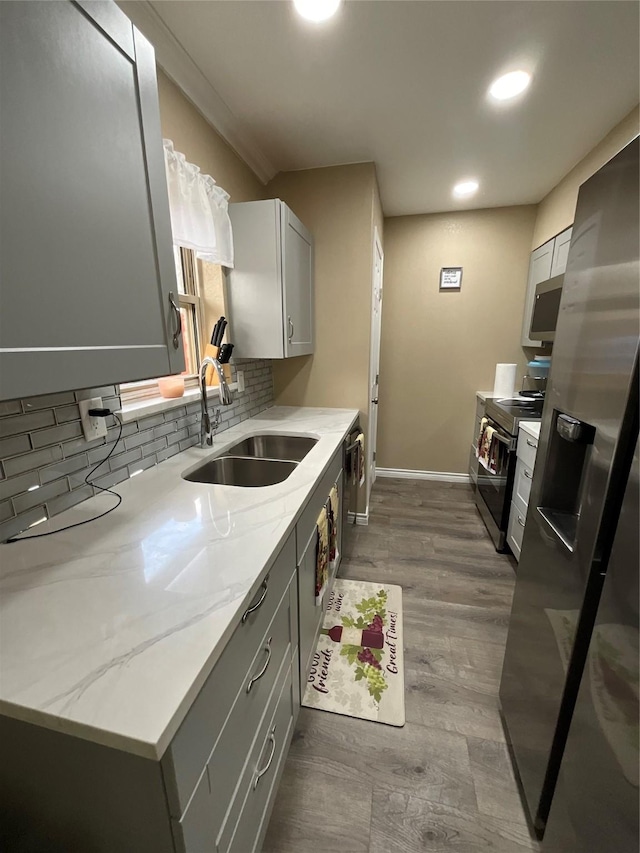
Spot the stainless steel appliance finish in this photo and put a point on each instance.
(509, 411)
(595, 806)
(292, 448)
(350, 491)
(544, 316)
(240, 471)
(579, 479)
(494, 488)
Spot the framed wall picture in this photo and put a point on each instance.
(450, 278)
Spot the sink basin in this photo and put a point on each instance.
(290, 447)
(241, 471)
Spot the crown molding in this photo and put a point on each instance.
(180, 67)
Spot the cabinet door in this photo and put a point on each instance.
(539, 270)
(297, 284)
(560, 252)
(86, 263)
(255, 283)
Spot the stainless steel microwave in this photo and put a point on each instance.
(545, 309)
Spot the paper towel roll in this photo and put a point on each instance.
(505, 381)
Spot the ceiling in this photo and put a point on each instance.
(404, 84)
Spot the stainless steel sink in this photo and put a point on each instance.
(284, 447)
(241, 471)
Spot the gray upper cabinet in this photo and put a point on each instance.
(539, 270)
(86, 266)
(547, 261)
(271, 286)
(560, 252)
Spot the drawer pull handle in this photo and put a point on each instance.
(257, 677)
(531, 443)
(260, 773)
(520, 521)
(258, 603)
(527, 474)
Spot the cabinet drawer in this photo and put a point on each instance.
(515, 530)
(307, 521)
(522, 487)
(193, 743)
(229, 755)
(527, 449)
(251, 807)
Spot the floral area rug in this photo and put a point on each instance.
(358, 665)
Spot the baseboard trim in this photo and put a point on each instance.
(409, 474)
(361, 518)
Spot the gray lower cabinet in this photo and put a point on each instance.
(213, 789)
(86, 268)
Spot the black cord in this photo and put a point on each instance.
(89, 482)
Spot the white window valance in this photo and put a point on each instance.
(199, 210)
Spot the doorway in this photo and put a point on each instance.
(374, 360)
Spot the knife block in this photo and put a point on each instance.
(211, 376)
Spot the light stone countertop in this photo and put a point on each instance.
(109, 631)
(532, 427)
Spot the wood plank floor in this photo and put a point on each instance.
(443, 783)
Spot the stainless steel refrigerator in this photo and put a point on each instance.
(595, 805)
(587, 441)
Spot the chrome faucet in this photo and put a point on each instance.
(207, 427)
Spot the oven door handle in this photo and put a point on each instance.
(501, 438)
(509, 442)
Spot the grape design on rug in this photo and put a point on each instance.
(367, 653)
(357, 667)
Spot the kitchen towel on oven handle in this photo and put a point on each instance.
(322, 555)
(333, 508)
(484, 450)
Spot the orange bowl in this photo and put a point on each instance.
(171, 387)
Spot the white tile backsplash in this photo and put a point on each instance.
(41, 445)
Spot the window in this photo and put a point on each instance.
(191, 309)
(202, 299)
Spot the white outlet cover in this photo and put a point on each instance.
(93, 427)
(240, 380)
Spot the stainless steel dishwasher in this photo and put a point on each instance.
(350, 491)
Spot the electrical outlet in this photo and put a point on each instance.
(240, 381)
(93, 427)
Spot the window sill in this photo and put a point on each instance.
(153, 405)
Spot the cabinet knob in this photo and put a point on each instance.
(177, 332)
(290, 322)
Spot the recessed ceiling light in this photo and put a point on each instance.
(316, 10)
(510, 85)
(465, 189)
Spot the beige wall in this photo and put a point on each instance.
(336, 204)
(557, 209)
(339, 205)
(194, 137)
(438, 349)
